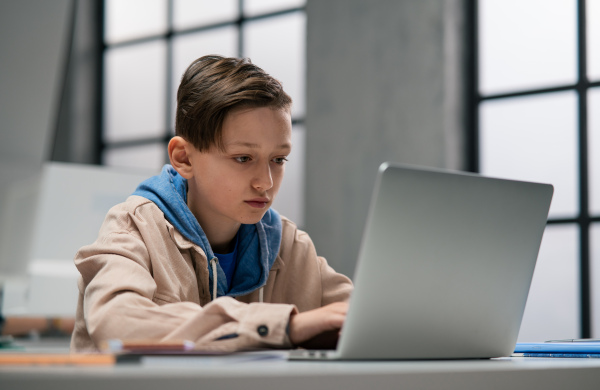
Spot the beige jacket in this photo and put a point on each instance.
(142, 279)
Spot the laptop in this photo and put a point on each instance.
(444, 268)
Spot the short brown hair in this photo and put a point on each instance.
(211, 87)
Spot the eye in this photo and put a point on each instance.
(242, 159)
(280, 160)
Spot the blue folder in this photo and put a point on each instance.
(577, 349)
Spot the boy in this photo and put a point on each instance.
(196, 253)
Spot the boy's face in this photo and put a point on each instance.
(238, 185)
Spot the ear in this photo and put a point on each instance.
(179, 155)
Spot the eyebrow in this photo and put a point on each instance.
(257, 146)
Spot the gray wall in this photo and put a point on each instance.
(384, 84)
(34, 37)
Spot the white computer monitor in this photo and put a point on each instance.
(73, 202)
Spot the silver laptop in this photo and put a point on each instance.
(444, 268)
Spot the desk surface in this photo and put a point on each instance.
(242, 372)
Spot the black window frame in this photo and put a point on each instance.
(168, 37)
(474, 98)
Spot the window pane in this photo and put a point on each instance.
(290, 201)
(151, 157)
(525, 44)
(134, 98)
(187, 48)
(533, 138)
(594, 148)
(194, 13)
(593, 39)
(130, 19)
(595, 278)
(278, 45)
(257, 7)
(552, 310)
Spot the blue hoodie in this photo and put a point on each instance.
(258, 244)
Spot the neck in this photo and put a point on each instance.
(221, 238)
(224, 244)
(220, 233)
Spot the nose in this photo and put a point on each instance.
(263, 180)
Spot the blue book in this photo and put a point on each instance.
(559, 355)
(575, 349)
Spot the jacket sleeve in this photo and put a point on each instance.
(118, 291)
(336, 287)
(312, 281)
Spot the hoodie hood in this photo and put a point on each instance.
(258, 244)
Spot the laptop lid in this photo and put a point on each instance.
(445, 265)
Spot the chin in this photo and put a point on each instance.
(252, 219)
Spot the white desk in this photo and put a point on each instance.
(230, 373)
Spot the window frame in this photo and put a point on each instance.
(474, 98)
(168, 37)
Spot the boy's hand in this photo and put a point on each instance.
(326, 321)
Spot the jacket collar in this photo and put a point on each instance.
(184, 244)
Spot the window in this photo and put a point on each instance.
(149, 44)
(536, 116)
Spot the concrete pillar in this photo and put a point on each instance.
(385, 83)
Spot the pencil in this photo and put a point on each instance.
(45, 359)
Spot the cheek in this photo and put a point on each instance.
(227, 185)
(232, 183)
(277, 179)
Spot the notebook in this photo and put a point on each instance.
(444, 268)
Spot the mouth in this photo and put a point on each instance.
(258, 203)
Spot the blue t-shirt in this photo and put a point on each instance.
(228, 262)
